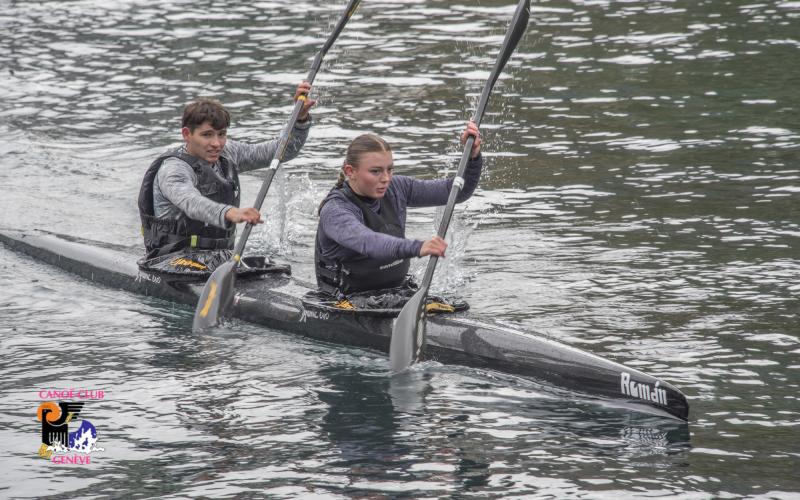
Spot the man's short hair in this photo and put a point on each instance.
(205, 110)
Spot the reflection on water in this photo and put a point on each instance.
(640, 201)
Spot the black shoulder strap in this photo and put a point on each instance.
(373, 220)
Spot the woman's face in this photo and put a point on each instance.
(371, 176)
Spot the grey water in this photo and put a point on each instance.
(640, 201)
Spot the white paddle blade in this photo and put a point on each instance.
(216, 298)
(408, 333)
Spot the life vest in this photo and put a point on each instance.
(162, 236)
(363, 273)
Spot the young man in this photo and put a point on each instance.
(189, 198)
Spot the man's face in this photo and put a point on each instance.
(205, 142)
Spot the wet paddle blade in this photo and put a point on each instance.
(217, 297)
(408, 333)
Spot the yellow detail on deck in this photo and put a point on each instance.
(438, 307)
(182, 261)
(344, 304)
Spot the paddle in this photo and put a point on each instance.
(408, 333)
(217, 295)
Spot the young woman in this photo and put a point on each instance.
(361, 242)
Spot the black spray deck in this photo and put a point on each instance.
(281, 302)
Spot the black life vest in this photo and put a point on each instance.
(165, 236)
(363, 273)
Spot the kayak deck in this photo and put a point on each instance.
(277, 300)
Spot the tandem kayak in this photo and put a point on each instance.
(279, 301)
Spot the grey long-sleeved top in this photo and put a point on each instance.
(343, 235)
(175, 188)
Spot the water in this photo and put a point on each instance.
(639, 200)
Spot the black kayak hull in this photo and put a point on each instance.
(282, 302)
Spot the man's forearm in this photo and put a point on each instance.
(252, 156)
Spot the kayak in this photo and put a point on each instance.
(277, 300)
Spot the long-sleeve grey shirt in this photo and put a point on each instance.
(175, 188)
(343, 235)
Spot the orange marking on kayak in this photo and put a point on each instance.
(211, 294)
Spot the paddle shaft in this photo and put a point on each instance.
(510, 42)
(286, 133)
(408, 332)
(218, 293)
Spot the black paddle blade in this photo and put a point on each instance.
(516, 30)
(217, 297)
(408, 333)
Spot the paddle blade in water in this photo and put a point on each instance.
(217, 297)
(408, 333)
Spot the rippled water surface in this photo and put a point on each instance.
(639, 200)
